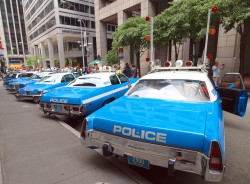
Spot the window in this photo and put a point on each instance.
(122, 78)
(171, 89)
(114, 80)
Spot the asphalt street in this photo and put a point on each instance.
(36, 149)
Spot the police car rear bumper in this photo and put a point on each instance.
(53, 110)
(169, 157)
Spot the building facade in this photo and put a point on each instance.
(13, 34)
(224, 46)
(61, 33)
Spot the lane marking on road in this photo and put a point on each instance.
(116, 162)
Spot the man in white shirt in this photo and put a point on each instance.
(216, 71)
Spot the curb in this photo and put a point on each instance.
(1, 178)
(114, 161)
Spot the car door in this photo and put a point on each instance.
(233, 94)
(124, 86)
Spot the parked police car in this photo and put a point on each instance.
(86, 94)
(35, 91)
(171, 119)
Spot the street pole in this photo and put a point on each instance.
(83, 59)
(152, 41)
(207, 32)
(83, 41)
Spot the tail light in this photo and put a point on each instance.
(215, 162)
(66, 107)
(75, 108)
(84, 126)
(48, 106)
(42, 104)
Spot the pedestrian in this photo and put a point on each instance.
(216, 71)
(79, 71)
(85, 72)
(134, 71)
(118, 70)
(127, 71)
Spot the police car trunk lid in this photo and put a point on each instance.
(176, 124)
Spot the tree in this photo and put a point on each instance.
(132, 33)
(112, 56)
(31, 61)
(182, 20)
(234, 14)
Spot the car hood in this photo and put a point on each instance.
(69, 95)
(172, 123)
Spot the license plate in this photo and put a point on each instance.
(138, 162)
(58, 108)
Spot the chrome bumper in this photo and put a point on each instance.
(24, 96)
(69, 112)
(169, 157)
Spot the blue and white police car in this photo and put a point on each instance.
(15, 86)
(172, 118)
(86, 94)
(35, 91)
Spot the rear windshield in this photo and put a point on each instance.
(176, 89)
(86, 82)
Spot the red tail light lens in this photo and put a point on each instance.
(66, 107)
(76, 108)
(215, 162)
(42, 104)
(48, 106)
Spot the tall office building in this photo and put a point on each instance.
(13, 34)
(60, 32)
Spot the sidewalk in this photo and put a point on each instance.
(36, 149)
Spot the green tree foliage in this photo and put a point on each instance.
(183, 19)
(112, 57)
(234, 14)
(132, 33)
(31, 61)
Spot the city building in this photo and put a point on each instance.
(224, 46)
(61, 33)
(13, 43)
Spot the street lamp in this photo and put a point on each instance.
(214, 9)
(83, 41)
(36, 47)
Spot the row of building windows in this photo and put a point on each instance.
(35, 8)
(74, 22)
(43, 28)
(42, 14)
(27, 5)
(78, 7)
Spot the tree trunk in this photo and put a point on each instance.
(138, 65)
(176, 50)
(242, 51)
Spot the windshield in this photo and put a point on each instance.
(51, 79)
(176, 89)
(44, 78)
(35, 76)
(87, 82)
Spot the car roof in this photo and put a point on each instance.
(102, 75)
(189, 75)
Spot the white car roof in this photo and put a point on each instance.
(102, 75)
